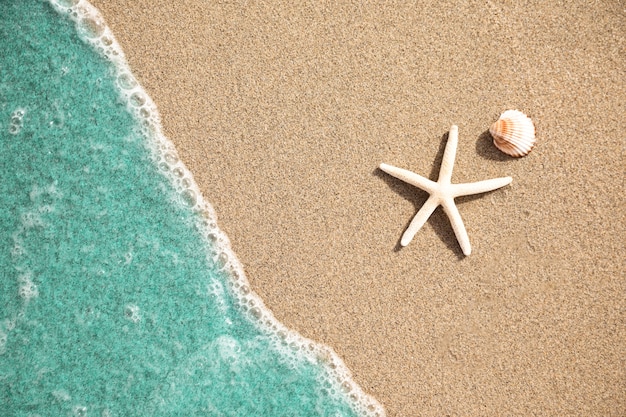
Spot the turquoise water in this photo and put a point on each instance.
(118, 294)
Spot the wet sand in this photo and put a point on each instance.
(283, 114)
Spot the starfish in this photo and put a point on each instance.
(443, 193)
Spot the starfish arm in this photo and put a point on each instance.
(470, 188)
(457, 225)
(418, 221)
(447, 163)
(409, 177)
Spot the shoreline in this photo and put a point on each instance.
(292, 345)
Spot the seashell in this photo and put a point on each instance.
(513, 133)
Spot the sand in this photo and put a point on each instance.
(283, 112)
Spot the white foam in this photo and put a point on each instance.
(31, 219)
(79, 411)
(43, 199)
(61, 395)
(16, 121)
(229, 351)
(293, 346)
(132, 313)
(45, 193)
(27, 288)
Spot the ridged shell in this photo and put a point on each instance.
(513, 133)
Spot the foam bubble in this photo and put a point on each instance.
(128, 257)
(31, 220)
(92, 27)
(137, 99)
(46, 194)
(179, 172)
(131, 312)
(256, 313)
(189, 198)
(79, 411)
(61, 395)
(126, 81)
(27, 288)
(228, 350)
(17, 250)
(106, 40)
(171, 158)
(222, 260)
(16, 121)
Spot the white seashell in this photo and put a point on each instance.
(513, 133)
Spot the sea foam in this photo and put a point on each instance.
(225, 355)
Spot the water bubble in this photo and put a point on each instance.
(171, 158)
(61, 395)
(92, 27)
(31, 220)
(131, 312)
(126, 81)
(235, 274)
(221, 261)
(256, 313)
(28, 290)
(145, 113)
(79, 411)
(17, 250)
(128, 258)
(15, 124)
(189, 198)
(137, 99)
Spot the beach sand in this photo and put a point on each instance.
(283, 114)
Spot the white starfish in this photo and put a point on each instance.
(443, 192)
